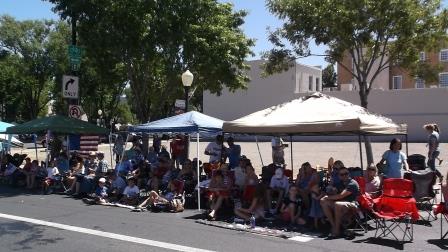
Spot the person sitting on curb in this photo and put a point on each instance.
(155, 198)
(279, 186)
(100, 196)
(256, 207)
(337, 205)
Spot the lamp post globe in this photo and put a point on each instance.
(100, 113)
(187, 80)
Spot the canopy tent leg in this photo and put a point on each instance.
(407, 144)
(68, 146)
(198, 170)
(47, 140)
(259, 153)
(110, 148)
(292, 158)
(35, 145)
(360, 151)
(8, 148)
(125, 146)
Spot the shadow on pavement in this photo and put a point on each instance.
(8, 191)
(442, 244)
(382, 242)
(28, 236)
(199, 216)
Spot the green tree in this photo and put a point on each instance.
(375, 33)
(329, 76)
(155, 41)
(29, 45)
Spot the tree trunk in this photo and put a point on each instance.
(363, 96)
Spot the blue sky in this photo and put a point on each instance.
(255, 27)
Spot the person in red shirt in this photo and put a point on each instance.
(178, 147)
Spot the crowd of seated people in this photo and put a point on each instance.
(317, 198)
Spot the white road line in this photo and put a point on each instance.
(137, 240)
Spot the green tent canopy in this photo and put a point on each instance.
(57, 124)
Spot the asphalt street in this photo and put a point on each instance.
(169, 228)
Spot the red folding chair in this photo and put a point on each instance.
(396, 210)
(363, 213)
(288, 173)
(442, 209)
(248, 193)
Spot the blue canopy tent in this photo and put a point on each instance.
(190, 123)
(7, 137)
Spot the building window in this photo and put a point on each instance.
(422, 56)
(310, 83)
(443, 79)
(444, 55)
(419, 83)
(396, 82)
(317, 84)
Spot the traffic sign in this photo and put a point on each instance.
(70, 87)
(75, 111)
(179, 104)
(74, 52)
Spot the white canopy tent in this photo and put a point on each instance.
(315, 114)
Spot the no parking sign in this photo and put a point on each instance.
(75, 111)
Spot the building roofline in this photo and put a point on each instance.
(296, 63)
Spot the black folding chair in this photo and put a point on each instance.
(424, 194)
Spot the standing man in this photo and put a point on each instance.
(214, 150)
(233, 152)
(178, 150)
(337, 205)
(278, 153)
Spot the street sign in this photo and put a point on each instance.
(75, 111)
(75, 54)
(179, 104)
(70, 87)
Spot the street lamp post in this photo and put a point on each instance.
(187, 80)
(100, 120)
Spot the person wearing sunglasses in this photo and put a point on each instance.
(336, 206)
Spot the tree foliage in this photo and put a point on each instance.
(27, 64)
(375, 33)
(329, 76)
(155, 41)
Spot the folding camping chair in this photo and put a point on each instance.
(416, 162)
(442, 209)
(396, 209)
(248, 194)
(424, 181)
(363, 213)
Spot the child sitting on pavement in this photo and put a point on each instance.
(100, 196)
(130, 193)
(291, 207)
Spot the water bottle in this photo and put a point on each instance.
(252, 221)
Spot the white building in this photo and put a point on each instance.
(263, 92)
